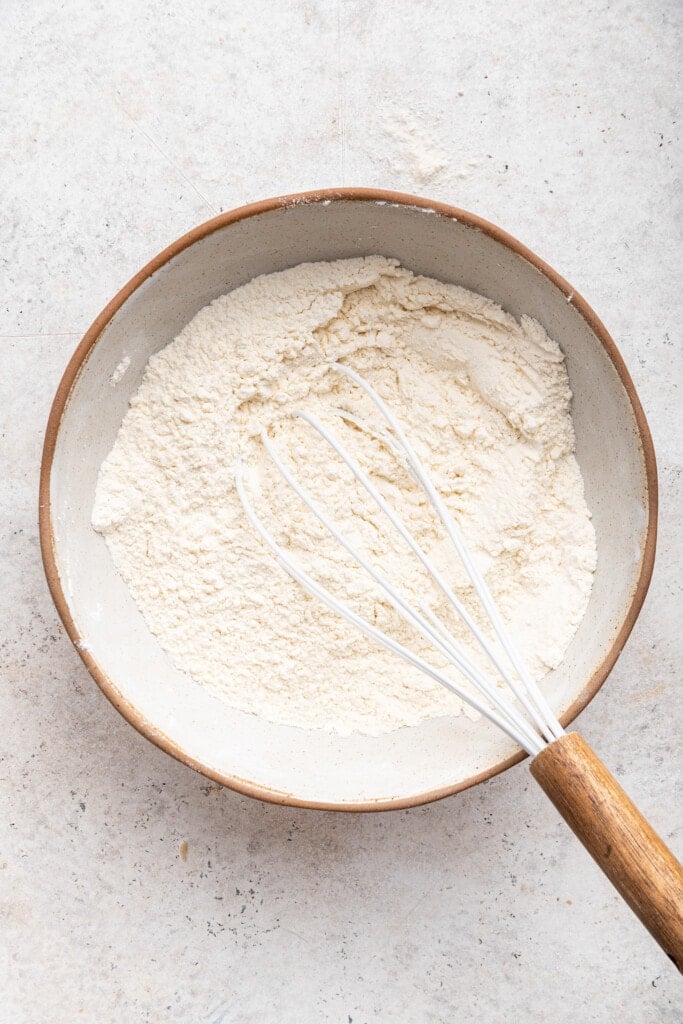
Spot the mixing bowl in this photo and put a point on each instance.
(278, 762)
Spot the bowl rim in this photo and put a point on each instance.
(89, 340)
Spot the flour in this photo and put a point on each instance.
(486, 402)
(416, 149)
(120, 371)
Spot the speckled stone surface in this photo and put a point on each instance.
(130, 889)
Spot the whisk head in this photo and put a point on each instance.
(519, 709)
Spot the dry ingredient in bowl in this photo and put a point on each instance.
(486, 402)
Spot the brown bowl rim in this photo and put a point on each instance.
(90, 338)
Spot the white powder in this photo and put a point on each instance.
(484, 399)
(415, 147)
(120, 371)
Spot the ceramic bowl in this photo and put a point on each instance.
(277, 762)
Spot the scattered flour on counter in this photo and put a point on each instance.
(416, 149)
(485, 400)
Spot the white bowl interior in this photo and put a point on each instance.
(316, 766)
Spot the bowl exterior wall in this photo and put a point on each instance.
(282, 763)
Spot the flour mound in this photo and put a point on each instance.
(486, 402)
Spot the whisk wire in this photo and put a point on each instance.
(398, 524)
(530, 735)
(543, 714)
(528, 741)
(431, 631)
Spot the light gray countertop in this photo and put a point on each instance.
(124, 125)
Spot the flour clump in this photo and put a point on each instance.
(485, 400)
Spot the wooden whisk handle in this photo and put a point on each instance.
(639, 865)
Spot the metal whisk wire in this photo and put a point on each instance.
(532, 733)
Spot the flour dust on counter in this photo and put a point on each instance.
(485, 399)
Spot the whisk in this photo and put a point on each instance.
(629, 851)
